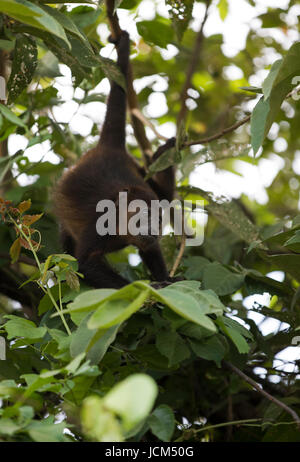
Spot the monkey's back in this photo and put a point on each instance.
(94, 178)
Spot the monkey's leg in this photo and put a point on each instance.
(67, 242)
(97, 273)
(154, 260)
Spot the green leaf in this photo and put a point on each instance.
(8, 427)
(269, 80)
(220, 279)
(171, 345)
(181, 13)
(84, 16)
(234, 333)
(89, 300)
(167, 159)
(23, 66)
(186, 306)
(112, 71)
(132, 399)
(294, 242)
(195, 266)
(82, 338)
(67, 23)
(223, 8)
(9, 115)
(117, 309)
(211, 349)
(31, 14)
(20, 327)
(162, 422)
(157, 32)
(98, 423)
(46, 431)
(276, 86)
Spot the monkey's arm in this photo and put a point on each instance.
(113, 131)
(154, 260)
(163, 183)
(97, 273)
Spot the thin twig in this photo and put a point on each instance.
(208, 139)
(138, 126)
(263, 392)
(137, 113)
(180, 254)
(220, 134)
(192, 67)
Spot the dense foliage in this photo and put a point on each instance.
(145, 363)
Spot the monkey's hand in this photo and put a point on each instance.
(162, 284)
(117, 40)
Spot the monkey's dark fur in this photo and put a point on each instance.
(101, 174)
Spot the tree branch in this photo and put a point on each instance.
(138, 126)
(192, 67)
(271, 398)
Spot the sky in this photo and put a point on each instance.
(253, 180)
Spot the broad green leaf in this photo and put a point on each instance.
(211, 349)
(234, 333)
(23, 66)
(157, 32)
(112, 71)
(132, 399)
(31, 14)
(11, 117)
(8, 427)
(189, 329)
(162, 422)
(195, 266)
(171, 345)
(238, 340)
(287, 262)
(46, 431)
(98, 423)
(269, 80)
(83, 337)
(15, 250)
(85, 16)
(116, 310)
(186, 306)
(210, 302)
(67, 23)
(220, 279)
(167, 159)
(90, 299)
(7, 45)
(20, 327)
(294, 242)
(75, 363)
(276, 87)
(207, 299)
(258, 123)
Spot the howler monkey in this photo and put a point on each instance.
(102, 173)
